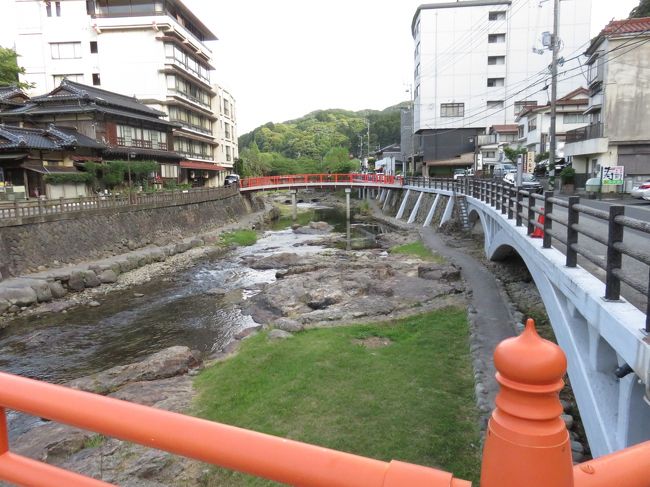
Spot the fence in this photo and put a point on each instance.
(526, 207)
(18, 210)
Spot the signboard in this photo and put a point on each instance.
(612, 175)
(530, 162)
(479, 162)
(2, 180)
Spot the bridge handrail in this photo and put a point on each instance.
(45, 207)
(235, 448)
(319, 178)
(526, 207)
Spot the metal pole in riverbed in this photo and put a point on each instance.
(347, 202)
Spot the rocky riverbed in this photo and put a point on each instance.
(310, 287)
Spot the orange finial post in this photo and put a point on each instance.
(527, 442)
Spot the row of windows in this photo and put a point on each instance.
(452, 109)
(190, 119)
(169, 171)
(567, 118)
(458, 110)
(70, 50)
(193, 148)
(187, 61)
(57, 8)
(76, 77)
(139, 137)
(188, 90)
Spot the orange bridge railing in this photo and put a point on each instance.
(319, 179)
(527, 444)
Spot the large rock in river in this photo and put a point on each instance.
(170, 362)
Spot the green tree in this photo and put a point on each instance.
(512, 154)
(642, 10)
(9, 69)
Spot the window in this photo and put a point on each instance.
(65, 50)
(495, 82)
(417, 70)
(507, 137)
(179, 57)
(520, 131)
(575, 118)
(532, 124)
(496, 38)
(492, 104)
(190, 119)
(496, 60)
(228, 155)
(58, 8)
(93, 47)
(188, 90)
(79, 78)
(497, 16)
(489, 155)
(96, 79)
(452, 110)
(144, 138)
(227, 130)
(169, 171)
(522, 104)
(48, 8)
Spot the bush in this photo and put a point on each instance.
(568, 175)
(72, 178)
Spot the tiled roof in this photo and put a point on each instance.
(52, 138)
(627, 26)
(70, 90)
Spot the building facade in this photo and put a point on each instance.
(225, 130)
(619, 102)
(154, 50)
(474, 67)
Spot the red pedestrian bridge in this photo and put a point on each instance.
(301, 181)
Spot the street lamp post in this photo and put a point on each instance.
(128, 170)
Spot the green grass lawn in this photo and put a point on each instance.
(411, 400)
(417, 249)
(242, 238)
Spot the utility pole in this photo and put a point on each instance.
(552, 132)
(368, 122)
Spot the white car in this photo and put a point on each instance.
(642, 190)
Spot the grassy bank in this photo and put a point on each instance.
(242, 238)
(402, 390)
(417, 249)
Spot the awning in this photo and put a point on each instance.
(203, 166)
(39, 168)
(466, 159)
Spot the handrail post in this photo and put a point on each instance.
(548, 223)
(531, 213)
(614, 257)
(505, 191)
(572, 233)
(510, 204)
(498, 191)
(4, 436)
(519, 207)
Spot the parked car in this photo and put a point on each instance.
(641, 190)
(500, 170)
(463, 173)
(528, 182)
(231, 179)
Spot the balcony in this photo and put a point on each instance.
(593, 131)
(141, 143)
(486, 139)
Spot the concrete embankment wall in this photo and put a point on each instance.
(88, 235)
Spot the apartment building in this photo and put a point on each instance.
(475, 67)
(619, 101)
(225, 130)
(154, 50)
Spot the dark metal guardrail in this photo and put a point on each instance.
(526, 207)
(593, 131)
(17, 210)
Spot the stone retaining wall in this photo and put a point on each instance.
(89, 236)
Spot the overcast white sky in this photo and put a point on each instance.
(284, 58)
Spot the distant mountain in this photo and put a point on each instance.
(316, 133)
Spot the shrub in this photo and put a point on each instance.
(568, 175)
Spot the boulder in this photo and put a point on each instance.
(279, 335)
(169, 362)
(287, 324)
(439, 272)
(57, 289)
(217, 291)
(314, 228)
(18, 296)
(76, 281)
(90, 279)
(108, 277)
(246, 332)
(279, 261)
(4, 305)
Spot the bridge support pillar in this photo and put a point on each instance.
(449, 211)
(387, 198)
(294, 205)
(347, 203)
(416, 208)
(432, 211)
(402, 207)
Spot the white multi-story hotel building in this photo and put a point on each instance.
(225, 128)
(155, 50)
(475, 67)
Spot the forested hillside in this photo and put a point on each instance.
(325, 140)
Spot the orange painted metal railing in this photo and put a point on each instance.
(258, 454)
(527, 444)
(324, 179)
